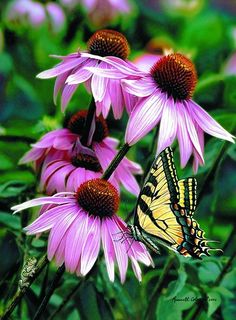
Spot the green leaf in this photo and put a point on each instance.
(225, 293)
(229, 309)
(176, 286)
(209, 271)
(229, 280)
(10, 220)
(88, 305)
(213, 300)
(74, 315)
(5, 162)
(172, 309)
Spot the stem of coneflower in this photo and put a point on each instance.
(21, 291)
(115, 162)
(65, 301)
(53, 286)
(88, 122)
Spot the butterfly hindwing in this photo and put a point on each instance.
(165, 208)
(188, 194)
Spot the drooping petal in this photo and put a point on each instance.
(57, 181)
(117, 100)
(120, 250)
(124, 175)
(168, 125)
(207, 123)
(41, 201)
(91, 245)
(82, 74)
(185, 145)
(59, 85)
(75, 240)
(192, 131)
(67, 94)
(143, 87)
(144, 117)
(59, 229)
(32, 155)
(99, 85)
(60, 68)
(48, 219)
(108, 249)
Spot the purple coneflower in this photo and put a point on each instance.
(101, 12)
(165, 94)
(79, 222)
(65, 163)
(28, 13)
(74, 70)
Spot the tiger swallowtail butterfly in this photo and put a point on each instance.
(164, 211)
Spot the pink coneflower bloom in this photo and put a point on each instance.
(165, 94)
(74, 70)
(79, 222)
(56, 16)
(101, 12)
(26, 13)
(65, 163)
(145, 61)
(230, 66)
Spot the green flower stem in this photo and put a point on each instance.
(51, 289)
(157, 290)
(115, 162)
(22, 290)
(225, 269)
(12, 138)
(65, 301)
(88, 122)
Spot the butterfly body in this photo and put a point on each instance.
(164, 211)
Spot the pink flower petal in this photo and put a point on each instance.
(56, 182)
(59, 84)
(117, 100)
(207, 123)
(59, 229)
(144, 117)
(143, 87)
(48, 219)
(32, 155)
(99, 85)
(39, 202)
(108, 248)
(185, 145)
(75, 240)
(192, 131)
(66, 95)
(60, 68)
(83, 74)
(91, 246)
(119, 248)
(168, 125)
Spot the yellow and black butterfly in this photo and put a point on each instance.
(165, 208)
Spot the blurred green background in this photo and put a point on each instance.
(206, 32)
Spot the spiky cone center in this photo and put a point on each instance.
(86, 161)
(108, 43)
(176, 75)
(77, 122)
(98, 197)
